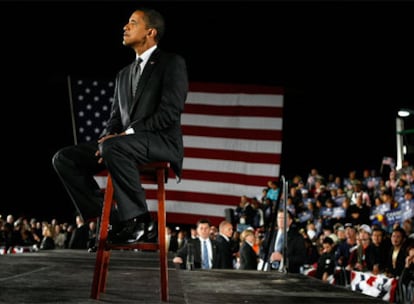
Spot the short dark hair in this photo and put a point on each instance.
(328, 240)
(400, 230)
(154, 19)
(203, 221)
(379, 229)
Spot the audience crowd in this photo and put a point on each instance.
(354, 223)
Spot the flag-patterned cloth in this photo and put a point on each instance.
(232, 144)
(91, 106)
(378, 286)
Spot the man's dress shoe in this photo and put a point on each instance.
(134, 231)
(93, 248)
(113, 229)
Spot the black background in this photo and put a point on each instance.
(346, 67)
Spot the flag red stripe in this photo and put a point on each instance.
(183, 196)
(233, 133)
(394, 285)
(233, 110)
(251, 157)
(234, 88)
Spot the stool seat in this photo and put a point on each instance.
(151, 173)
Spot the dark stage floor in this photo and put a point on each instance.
(65, 276)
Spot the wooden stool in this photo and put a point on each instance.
(153, 173)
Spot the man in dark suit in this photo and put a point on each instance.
(295, 251)
(144, 126)
(226, 246)
(191, 255)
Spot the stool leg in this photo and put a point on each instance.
(161, 233)
(102, 254)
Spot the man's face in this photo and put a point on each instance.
(396, 238)
(135, 31)
(228, 230)
(203, 230)
(377, 237)
(281, 220)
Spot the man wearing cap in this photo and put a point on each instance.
(358, 259)
(343, 249)
(339, 231)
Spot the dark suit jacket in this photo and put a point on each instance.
(296, 251)
(193, 246)
(156, 110)
(400, 263)
(173, 246)
(225, 253)
(248, 257)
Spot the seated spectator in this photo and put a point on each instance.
(59, 237)
(359, 212)
(245, 213)
(312, 255)
(80, 235)
(326, 263)
(343, 251)
(377, 251)
(358, 259)
(47, 241)
(272, 190)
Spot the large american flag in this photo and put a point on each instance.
(232, 144)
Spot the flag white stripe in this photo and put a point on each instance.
(238, 99)
(191, 207)
(239, 122)
(245, 145)
(227, 166)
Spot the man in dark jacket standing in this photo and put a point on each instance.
(198, 251)
(226, 246)
(295, 246)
